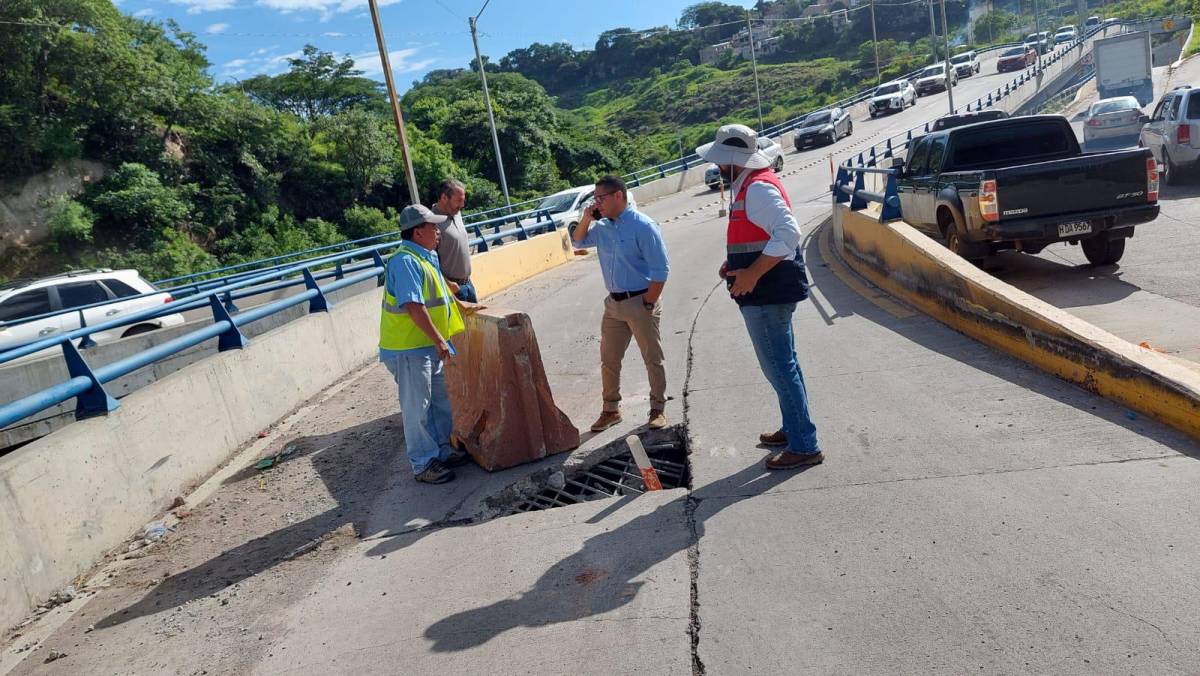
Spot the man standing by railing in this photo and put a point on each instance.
(454, 248)
(764, 269)
(418, 319)
(633, 261)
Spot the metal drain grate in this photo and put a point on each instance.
(615, 476)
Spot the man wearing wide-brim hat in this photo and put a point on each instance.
(764, 270)
(419, 318)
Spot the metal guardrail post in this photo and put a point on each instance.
(891, 200)
(522, 234)
(87, 341)
(887, 152)
(338, 273)
(858, 202)
(843, 177)
(231, 339)
(229, 306)
(318, 303)
(95, 400)
(380, 264)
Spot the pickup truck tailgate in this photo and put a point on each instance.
(1073, 185)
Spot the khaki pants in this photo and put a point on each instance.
(625, 319)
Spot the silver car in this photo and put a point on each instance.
(892, 97)
(1171, 132)
(1120, 116)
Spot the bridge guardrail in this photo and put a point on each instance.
(543, 221)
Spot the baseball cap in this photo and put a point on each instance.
(416, 214)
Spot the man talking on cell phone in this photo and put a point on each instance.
(633, 261)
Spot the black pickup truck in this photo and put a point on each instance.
(1023, 183)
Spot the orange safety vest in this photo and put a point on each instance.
(745, 241)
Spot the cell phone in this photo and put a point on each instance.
(596, 214)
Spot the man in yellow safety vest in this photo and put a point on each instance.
(419, 318)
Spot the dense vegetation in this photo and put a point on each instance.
(202, 173)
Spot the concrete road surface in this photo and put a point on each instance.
(974, 515)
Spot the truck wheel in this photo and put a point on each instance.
(954, 241)
(1103, 251)
(1172, 177)
(571, 228)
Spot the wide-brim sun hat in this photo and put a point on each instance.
(735, 144)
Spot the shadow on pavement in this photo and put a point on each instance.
(845, 302)
(600, 577)
(356, 465)
(1061, 284)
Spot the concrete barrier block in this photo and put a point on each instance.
(504, 266)
(504, 412)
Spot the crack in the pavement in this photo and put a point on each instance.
(965, 475)
(690, 505)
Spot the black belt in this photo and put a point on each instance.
(625, 295)
(459, 282)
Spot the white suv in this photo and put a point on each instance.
(21, 300)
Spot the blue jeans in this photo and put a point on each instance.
(770, 328)
(424, 402)
(466, 292)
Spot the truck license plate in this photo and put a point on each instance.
(1074, 228)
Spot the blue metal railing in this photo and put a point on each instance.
(858, 196)
(86, 384)
(542, 221)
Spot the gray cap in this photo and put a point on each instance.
(416, 214)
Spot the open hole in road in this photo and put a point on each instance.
(616, 475)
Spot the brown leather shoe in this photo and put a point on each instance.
(789, 460)
(777, 438)
(606, 420)
(657, 421)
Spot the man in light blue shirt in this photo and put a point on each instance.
(633, 261)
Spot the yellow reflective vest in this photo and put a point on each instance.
(397, 331)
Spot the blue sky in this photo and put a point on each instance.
(247, 37)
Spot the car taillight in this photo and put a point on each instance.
(1184, 135)
(1093, 122)
(1151, 180)
(988, 204)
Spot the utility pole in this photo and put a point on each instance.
(875, 42)
(754, 61)
(1037, 30)
(413, 195)
(932, 34)
(946, 42)
(487, 99)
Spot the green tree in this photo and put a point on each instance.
(133, 205)
(317, 84)
(70, 224)
(364, 145)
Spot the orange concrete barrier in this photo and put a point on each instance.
(504, 412)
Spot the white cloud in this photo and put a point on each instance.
(235, 64)
(370, 64)
(333, 34)
(198, 6)
(143, 13)
(327, 8)
(218, 28)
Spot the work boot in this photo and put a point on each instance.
(435, 473)
(789, 460)
(606, 420)
(658, 419)
(457, 457)
(777, 438)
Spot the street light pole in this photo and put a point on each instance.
(487, 99)
(932, 34)
(946, 42)
(875, 41)
(398, 117)
(754, 62)
(1037, 31)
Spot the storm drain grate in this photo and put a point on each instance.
(613, 477)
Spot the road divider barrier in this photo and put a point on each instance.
(905, 263)
(504, 411)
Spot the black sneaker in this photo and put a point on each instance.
(457, 457)
(436, 473)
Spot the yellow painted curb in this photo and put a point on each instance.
(902, 261)
(515, 262)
